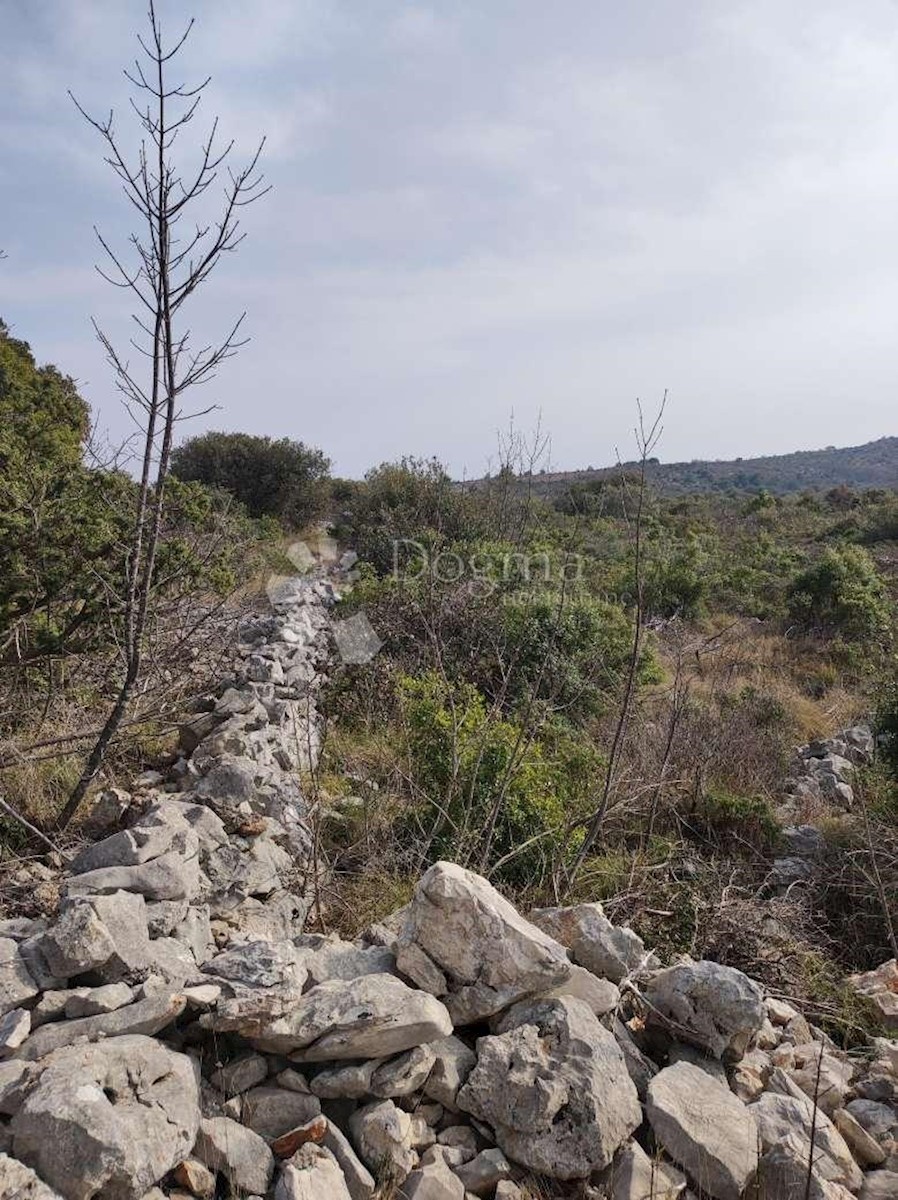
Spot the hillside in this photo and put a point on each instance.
(872, 465)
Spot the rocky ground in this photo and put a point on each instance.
(171, 1030)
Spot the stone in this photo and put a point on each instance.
(880, 1185)
(865, 1148)
(683, 1052)
(609, 951)
(453, 1062)
(345, 1083)
(373, 1016)
(601, 995)
(553, 1085)
(236, 1152)
(272, 1111)
(104, 935)
(707, 1004)
(489, 955)
(508, 1191)
(89, 1002)
(483, 1172)
(108, 1119)
(879, 1120)
(383, 1135)
(77, 942)
(433, 1181)
(779, 1012)
(337, 959)
(18, 1182)
(880, 987)
(640, 1067)
(146, 1016)
(169, 877)
(288, 1143)
(196, 1178)
(312, 1174)
(788, 1118)
(635, 1176)
(749, 1076)
(704, 1128)
(403, 1075)
(14, 1077)
(16, 984)
(782, 1173)
(825, 1078)
(359, 1180)
(240, 1074)
(14, 1029)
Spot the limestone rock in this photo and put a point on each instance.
(240, 1074)
(146, 1016)
(710, 1005)
(90, 1002)
(865, 1148)
(16, 984)
(783, 1119)
(359, 1181)
(109, 1119)
(383, 1133)
(635, 1176)
(312, 1174)
(403, 1075)
(272, 1111)
(601, 995)
(609, 951)
(169, 877)
(880, 1185)
(453, 1062)
(19, 1182)
(704, 1128)
(14, 1029)
(239, 1154)
(489, 955)
(372, 1016)
(433, 1181)
(553, 1085)
(881, 988)
(487, 1169)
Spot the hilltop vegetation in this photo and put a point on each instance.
(872, 465)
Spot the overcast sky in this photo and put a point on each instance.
(482, 207)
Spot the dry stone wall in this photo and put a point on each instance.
(174, 1031)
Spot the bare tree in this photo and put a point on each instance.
(647, 438)
(161, 272)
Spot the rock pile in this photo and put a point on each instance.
(172, 1031)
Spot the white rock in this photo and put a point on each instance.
(783, 1119)
(635, 1176)
(554, 1087)
(707, 1004)
(18, 1182)
(609, 951)
(373, 1016)
(383, 1133)
(312, 1174)
(433, 1181)
(109, 1119)
(239, 1154)
(489, 955)
(704, 1128)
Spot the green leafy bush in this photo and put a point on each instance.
(842, 593)
(271, 478)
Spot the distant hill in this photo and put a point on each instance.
(873, 465)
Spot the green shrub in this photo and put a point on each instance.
(725, 819)
(270, 477)
(842, 593)
(467, 761)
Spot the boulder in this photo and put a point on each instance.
(236, 1152)
(108, 1119)
(710, 1005)
(553, 1085)
(16, 983)
(609, 951)
(433, 1181)
(601, 995)
(312, 1174)
(880, 987)
(19, 1182)
(453, 1062)
(788, 1119)
(359, 1181)
(635, 1176)
(704, 1128)
(880, 1185)
(240, 1074)
(373, 1016)
(488, 955)
(403, 1075)
(91, 1002)
(866, 1150)
(384, 1137)
(272, 1111)
(146, 1016)
(487, 1169)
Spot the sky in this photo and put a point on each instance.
(485, 210)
